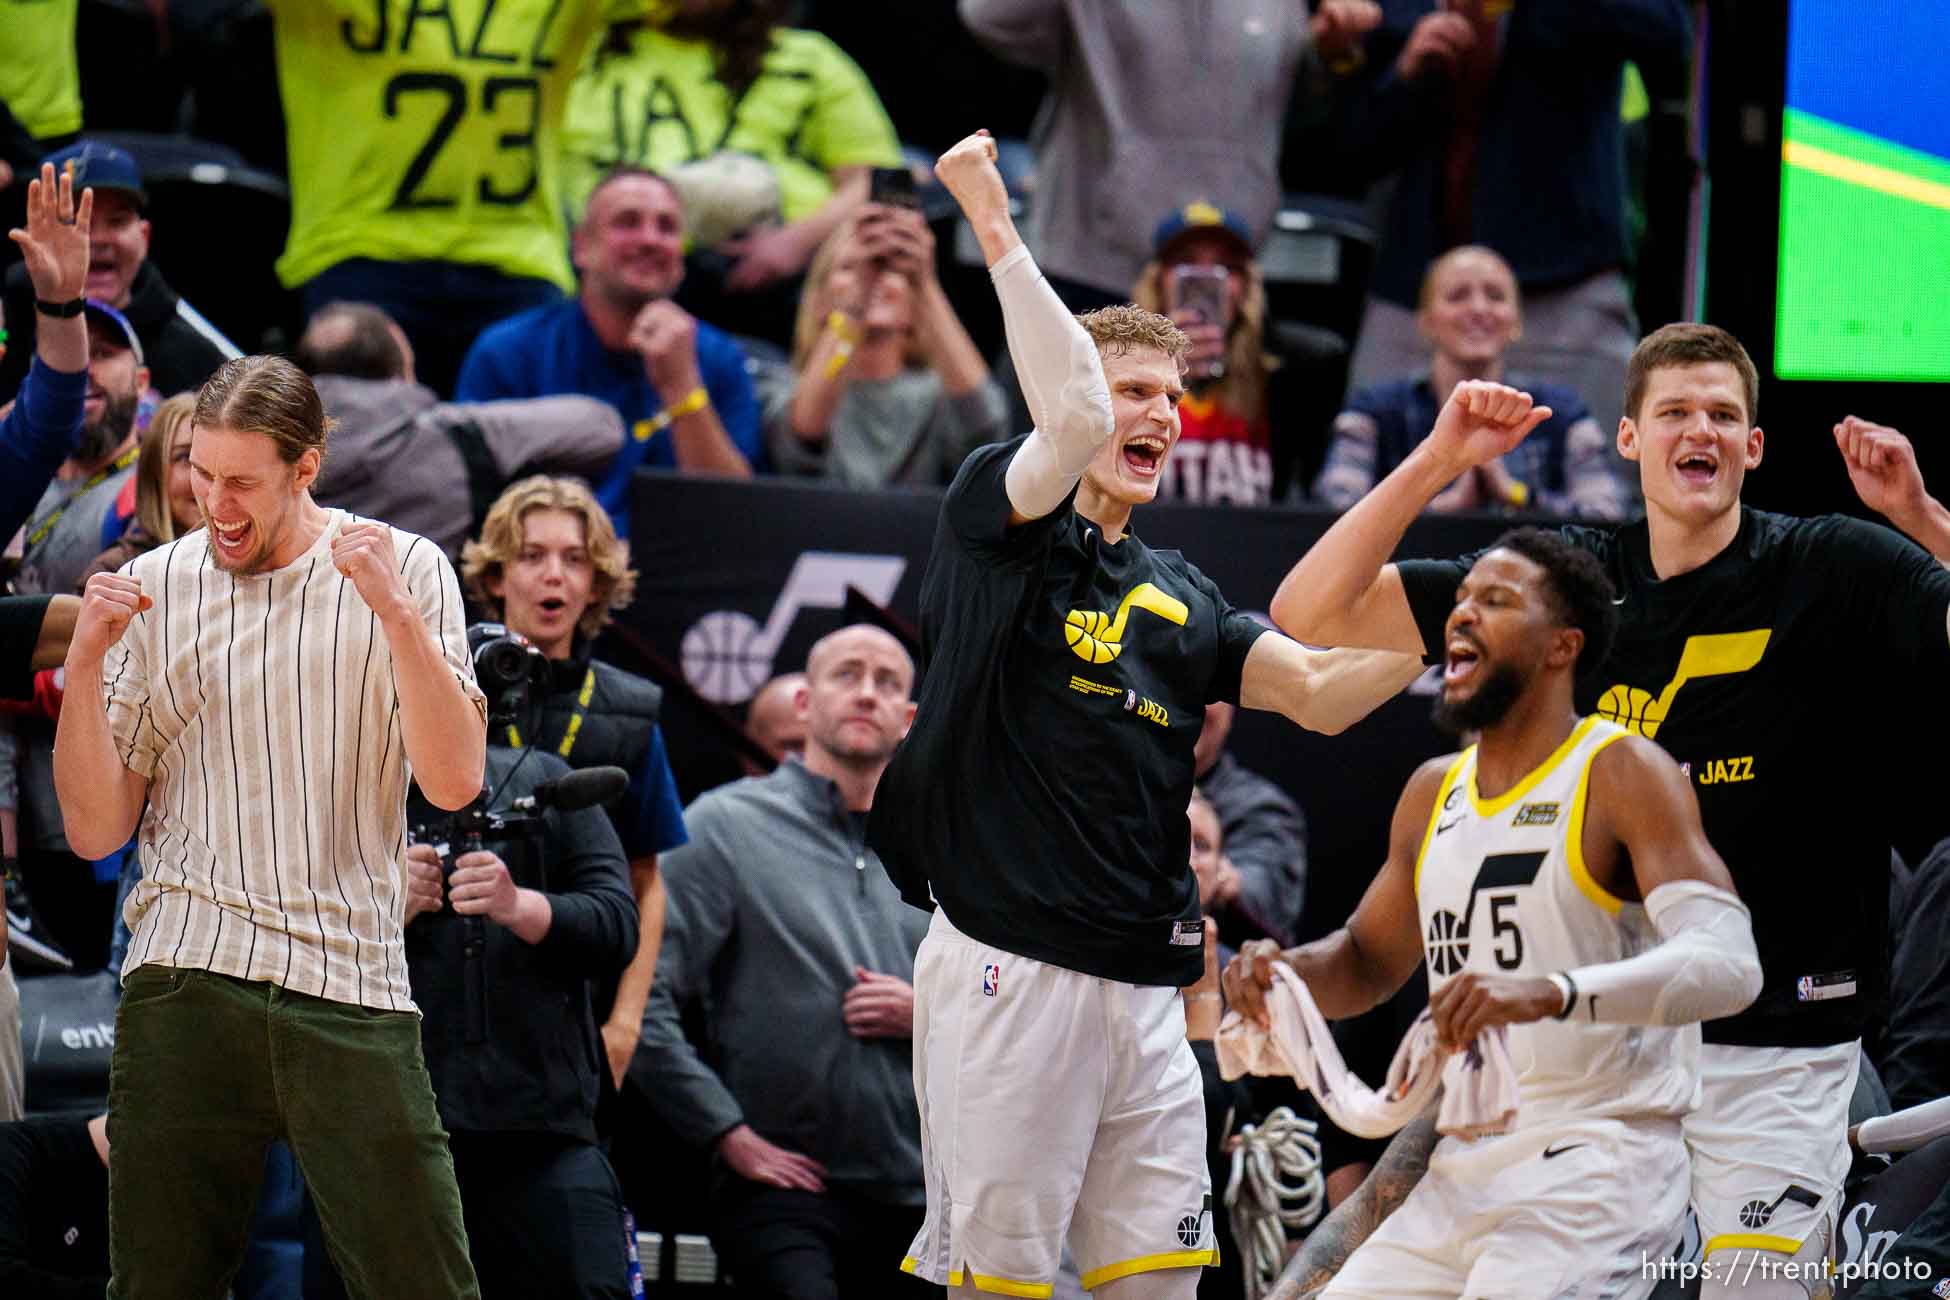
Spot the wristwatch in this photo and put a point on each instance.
(61, 310)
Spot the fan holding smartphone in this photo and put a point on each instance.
(887, 388)
(1203, 276)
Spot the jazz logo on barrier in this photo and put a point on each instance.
(991, 979)
(728, 654)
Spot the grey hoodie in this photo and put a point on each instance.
(771, 905)
(1152, 104)
(401, 455)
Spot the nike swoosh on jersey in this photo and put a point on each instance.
(1551, 1153)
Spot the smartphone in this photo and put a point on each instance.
(893, 186)
(1201, 290)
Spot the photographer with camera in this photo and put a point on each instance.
(514, 906)
(550, 565)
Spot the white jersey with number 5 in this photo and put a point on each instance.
(1502, 889)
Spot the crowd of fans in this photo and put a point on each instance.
(534, 248)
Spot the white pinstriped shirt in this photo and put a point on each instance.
(262, 709)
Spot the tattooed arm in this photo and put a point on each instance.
(1328, 1246)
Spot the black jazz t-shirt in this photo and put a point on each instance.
(1774, 674)
(1040, 796)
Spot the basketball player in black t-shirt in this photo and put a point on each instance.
(1040, 800)
(1727, 656)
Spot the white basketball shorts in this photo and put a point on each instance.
(1569, 1210)
(1052, 1103)
(1770, 1144)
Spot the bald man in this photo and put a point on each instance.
(774, 721)
(782, 922)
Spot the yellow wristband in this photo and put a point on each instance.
(843, 327)
(694, 401)
(837, 362)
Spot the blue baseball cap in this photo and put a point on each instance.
(1201, 214)
(118, 324)
(102, 167)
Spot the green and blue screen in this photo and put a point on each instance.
(1864, 288)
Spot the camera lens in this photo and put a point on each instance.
(500, 664)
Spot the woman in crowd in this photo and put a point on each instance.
(887, 387)
(1225, 449)
(163, 506)
(769, 132)
(1470, 313)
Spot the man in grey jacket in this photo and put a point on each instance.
(431, 467)
(783, 922)
(1134, 124)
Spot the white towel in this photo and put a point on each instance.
(1479, 1085)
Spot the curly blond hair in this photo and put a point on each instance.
(486, 559)
(1120, 329)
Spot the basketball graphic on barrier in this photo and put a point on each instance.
(725, 656)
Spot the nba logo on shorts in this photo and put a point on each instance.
(991, 978)
(1804, 988)
(1942, 1288)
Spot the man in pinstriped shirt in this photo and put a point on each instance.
(258, 695)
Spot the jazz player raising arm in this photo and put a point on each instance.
(1729, 620)
(1039, 798)
(1556, 877)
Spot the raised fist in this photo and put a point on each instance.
(108, 603)
(968, 170)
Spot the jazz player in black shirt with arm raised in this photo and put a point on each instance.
(1731, 620)
(1040, 800)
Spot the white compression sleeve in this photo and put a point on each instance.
(1062, 378)
(1906, 1129)
(1704, 968)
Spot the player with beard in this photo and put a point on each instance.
(1040, 801)
(1558, 874)
(65, 531)
(251, 700)
(1726, 615)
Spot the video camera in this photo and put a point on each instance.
(479, 822)
(509, 668)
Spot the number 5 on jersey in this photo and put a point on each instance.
(1498, 879)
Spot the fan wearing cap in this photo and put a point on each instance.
(39, 426)
(1203, 276)
(65, 531)
(182, 348)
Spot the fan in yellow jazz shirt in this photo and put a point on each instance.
(424, 155)
(426, 130)
(40, 73)
(653, 97)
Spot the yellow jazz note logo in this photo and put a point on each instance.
(1098, 638)
(1704, 656)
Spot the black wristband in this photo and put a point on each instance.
(1570, 1002)
(68, 310)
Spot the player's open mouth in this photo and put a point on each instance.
(1697, 467)
(1460, 661)
(231, 539)
(1145, 454)
(552, 604)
